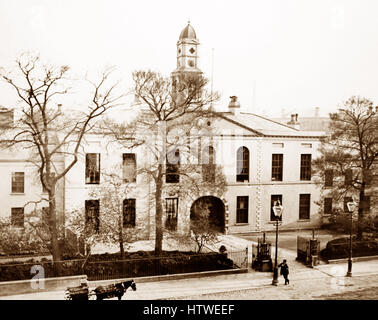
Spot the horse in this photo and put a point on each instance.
(102, 292)
(114, 290)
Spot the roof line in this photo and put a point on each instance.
(223, 116)
(241, 125)
(282, 124)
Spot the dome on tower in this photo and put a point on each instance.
(188, 33)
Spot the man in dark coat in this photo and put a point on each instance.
(284, 271)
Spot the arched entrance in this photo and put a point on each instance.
(216, 211)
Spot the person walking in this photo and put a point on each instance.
(284, 271)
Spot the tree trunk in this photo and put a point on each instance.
(361, 212)
(159, 212)
(120, 236)
(55, 250)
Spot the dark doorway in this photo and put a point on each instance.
(216, 211)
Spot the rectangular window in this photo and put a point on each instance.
(92, 214)
(327, 205)
(129, 212)
(346, 200)
(306, 167)
(171, 210)
(208, 165)
(277, 167)
(18, 179)
(304, 206)
(328, 178)
(348, 177)
(129, 167)
(242, 209)
(92, 168)
(277, 145)
(273, 199)
(208, 173)
(306, 145)
(17, 217)
(173, 167)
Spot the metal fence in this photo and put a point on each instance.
(137, 267)
(40, 269)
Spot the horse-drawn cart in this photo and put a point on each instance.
(82, 292)
(77, 293)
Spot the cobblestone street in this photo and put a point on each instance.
(362, 287)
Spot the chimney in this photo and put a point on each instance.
(294, 121)
(234, 105)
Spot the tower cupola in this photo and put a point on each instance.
(187, 53)
(188, 33)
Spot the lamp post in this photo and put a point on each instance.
(351, 207)
(277, 210)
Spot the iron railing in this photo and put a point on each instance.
(136, 267)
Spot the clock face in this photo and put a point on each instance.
(191, 50)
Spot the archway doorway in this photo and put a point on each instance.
(216, 211)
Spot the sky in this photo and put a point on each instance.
(276, 56)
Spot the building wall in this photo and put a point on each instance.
(77, 191)
(260, 186)
(18, 160)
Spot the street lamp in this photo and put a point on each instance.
(351, 205)
(277, 210)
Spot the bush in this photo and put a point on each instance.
(135, 264)
(339, 248)
(17, 241)
(340, 221)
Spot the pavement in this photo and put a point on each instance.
(324, 278)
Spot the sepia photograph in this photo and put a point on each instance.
(188, 158)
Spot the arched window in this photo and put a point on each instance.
(173, 167)
(242, 164)
(208, 164)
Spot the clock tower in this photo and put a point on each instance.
(187, 54)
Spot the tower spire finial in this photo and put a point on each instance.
(188, 21)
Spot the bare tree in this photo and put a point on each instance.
(348, 163)
(172, 115)
(47, 131)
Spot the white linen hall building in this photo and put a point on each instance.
(262, 161)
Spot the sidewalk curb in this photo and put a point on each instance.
(343, 260)
(168, 277)
(9, 288)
